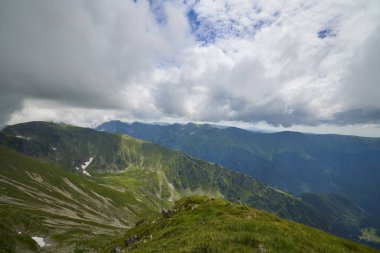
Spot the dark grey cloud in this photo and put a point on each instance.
(78, 53)
(358, 116)
(361, 84)
(46, 52)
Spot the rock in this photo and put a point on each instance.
(167, 213)
(262, 248)
(194, 207)
(132, 239)
(116, 249)
(140, 222)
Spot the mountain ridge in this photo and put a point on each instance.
(157, 176)
(290, 161)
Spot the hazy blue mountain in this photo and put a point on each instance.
(290, 161)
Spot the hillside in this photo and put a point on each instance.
(68, 146)
(293, 162)
(201, 224)
(155, 176)
(70, 212)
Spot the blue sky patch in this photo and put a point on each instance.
(193, 20)
(258, 25)
(156, 7)
(204, 31)
(207, 30)
(325, 33)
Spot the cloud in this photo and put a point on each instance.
(291, 69)
(80, 53)
(361, 83)
(280, 62)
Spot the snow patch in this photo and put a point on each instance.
(23, 137)
(40, 241)
(84, 166)
(86, 173)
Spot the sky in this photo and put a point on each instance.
(310, 65)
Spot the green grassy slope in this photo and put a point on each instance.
(201, 224)
(68, 146)
(70, 211)
(156, 176)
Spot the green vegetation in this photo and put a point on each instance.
(203, 224)
(130, 180)
(370, 235)
(68, 146)
(70, 211)
(293, 162)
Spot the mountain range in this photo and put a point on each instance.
(293, 162)
(72, 189)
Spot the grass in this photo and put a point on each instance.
(204, 224)
(74, 212)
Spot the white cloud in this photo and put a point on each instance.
(283, 62)
(281, 72)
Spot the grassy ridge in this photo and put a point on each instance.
(202, 224)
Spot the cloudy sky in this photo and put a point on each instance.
(311, 65)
